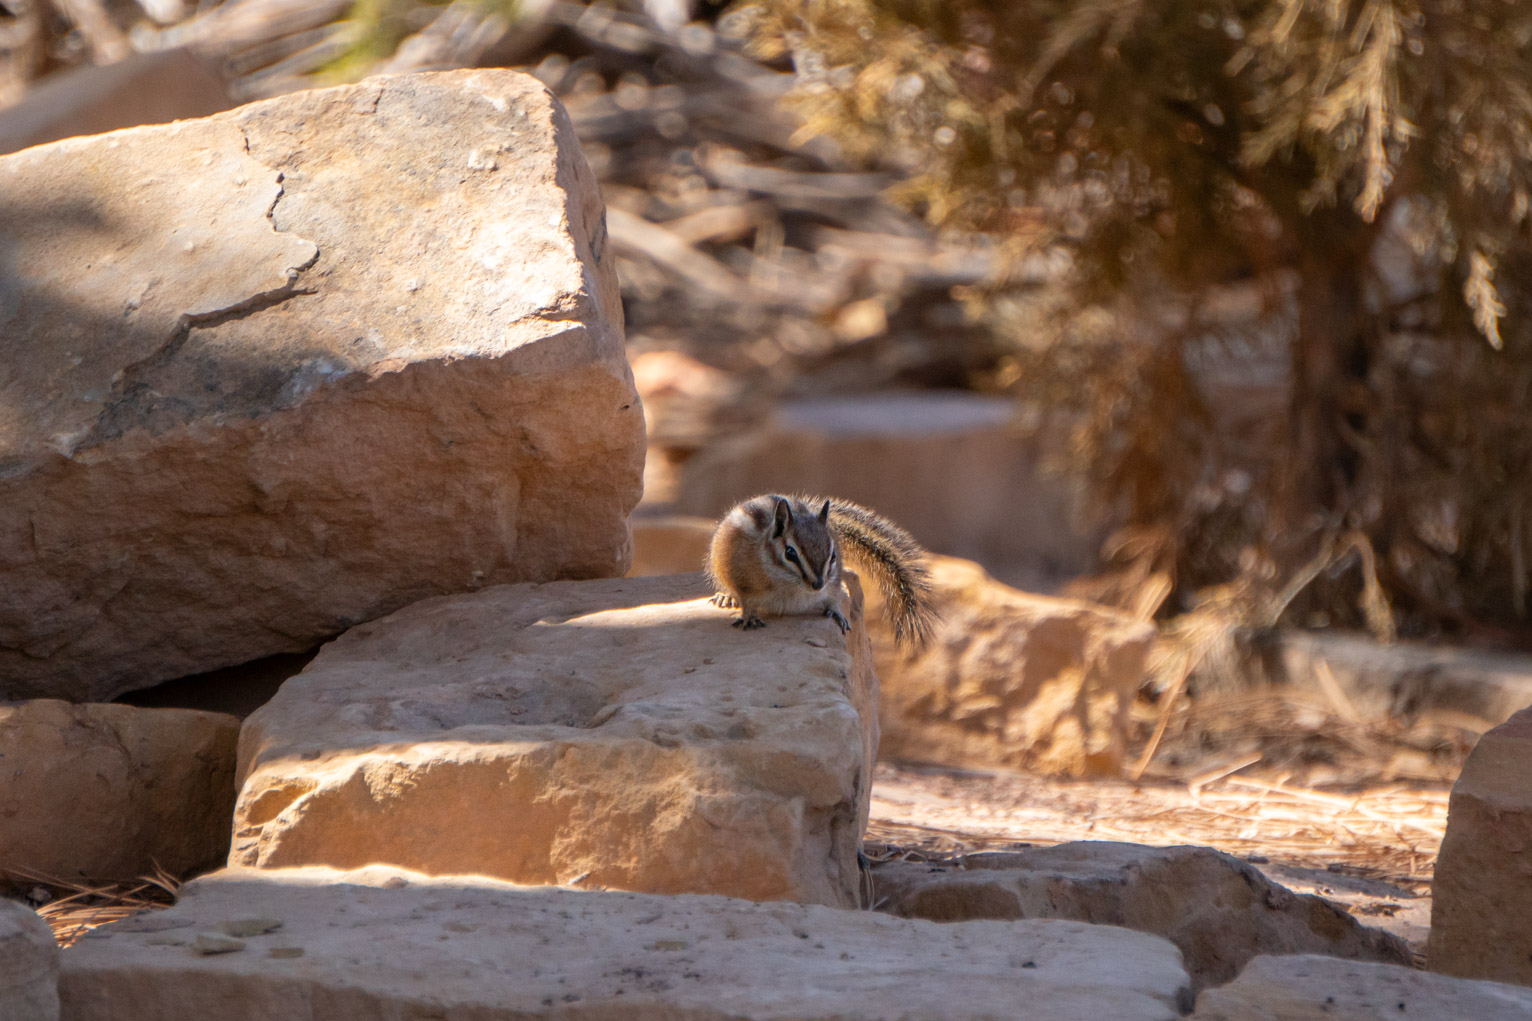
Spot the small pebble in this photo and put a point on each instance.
(285, 952)
(216, 943)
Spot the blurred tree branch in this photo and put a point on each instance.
(1362, 165)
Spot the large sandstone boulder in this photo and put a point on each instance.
(29, 966)
(1218, 910)
(603, 734)
(961, 471)
(276, 372)
(1010, 680)
(1308, 988)
(145, 88)
(383, 943)
(109, 792)
(1481, 907)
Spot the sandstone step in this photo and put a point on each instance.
(1221, 912)
(670, 544)
(383, 943)
(110, 792)
(1309, 988)
(303, 363)
(1481, 906)
(960, 471)
(29, 966)
(602, 733)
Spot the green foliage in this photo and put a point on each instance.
(377, 27)
(1174, 148)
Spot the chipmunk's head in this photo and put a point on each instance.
(801, 545)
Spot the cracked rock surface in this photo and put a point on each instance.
(378, 943)
(614, 733)
(275, 372)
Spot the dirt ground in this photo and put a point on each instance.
(1372, 850)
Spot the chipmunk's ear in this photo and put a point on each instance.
(782, 518)
(824, 513)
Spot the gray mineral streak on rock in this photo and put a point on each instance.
(112, 249)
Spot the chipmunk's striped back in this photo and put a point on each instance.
(775, 555)
(892, 556)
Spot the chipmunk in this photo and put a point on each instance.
(778, 555)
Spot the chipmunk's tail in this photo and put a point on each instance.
(889, 553)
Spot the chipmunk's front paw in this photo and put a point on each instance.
(749, 622)
(840, 621)
(724, 601)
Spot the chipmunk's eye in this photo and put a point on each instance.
(791, 554)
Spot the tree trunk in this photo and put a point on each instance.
(1329, 356)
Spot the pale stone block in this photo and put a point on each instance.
(597, 734)
(384, 943)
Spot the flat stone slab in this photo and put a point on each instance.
(382, 943)
(1220, 911)
(1481, 891)
(110, 792)
(1309, 988)
(275, 372)
(29, 966)
(1402, 680)
(602, 733)
(962, 472)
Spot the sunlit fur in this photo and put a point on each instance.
(749, 564)
(749, 559)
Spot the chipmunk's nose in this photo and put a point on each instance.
(819, 582)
